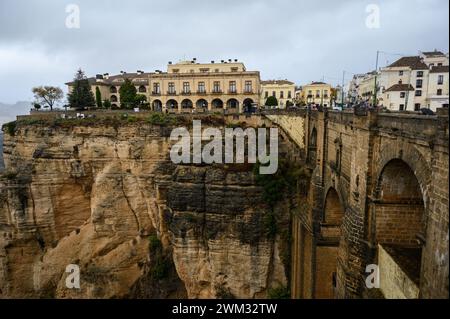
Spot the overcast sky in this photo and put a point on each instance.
(294, 39)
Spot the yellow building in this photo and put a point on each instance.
(189, 86)
(282, 90)
(316, 93)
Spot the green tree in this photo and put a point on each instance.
(47, 95)
(128, 95)
(107, 104)
(271, 101)
(98, 97)
(81, 95)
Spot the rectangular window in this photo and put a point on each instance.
(281, 95)
(417, 107)
(266, 95)
(201, 87)
(289, 95)
(419, 74)
(400, 73)
(402, 107)
(439, 92)
(171, 88)
(186, 88)
(248, 87)
(419, 84)
(440, 79)
(317, 93)
(232, 86)
(156, 88)
(419, 93)
(274, 94)
(402, 95)
(216, 87)
(325, 93)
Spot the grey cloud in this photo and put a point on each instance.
(298, 40)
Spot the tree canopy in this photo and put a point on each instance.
(98, 97)
(81, 95)
(271, 101)
(128, 94)
(47, 95)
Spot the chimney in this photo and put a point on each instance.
(229, 60)
(170, 62)
(222, 61)
(212, 62)
(106, 76)
(235, 60)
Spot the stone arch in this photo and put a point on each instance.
(248, 104)
(142, 89)
(326, 258)
(312, 147)
(186, 104)
(114, 98)
(201, 104)
(333, 208)
(412, 157)
(232, 104)
(172, 104)
(157, 105)
(113, 89)
(217, 104)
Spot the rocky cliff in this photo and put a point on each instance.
(107, 197)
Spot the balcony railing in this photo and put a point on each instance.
(171, 92)
(248, 91)
(186, 93)
(217, 91)
(202, 92)
(156, 93)
(232, 92)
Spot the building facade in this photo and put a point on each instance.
(282, 90)
(188, 86)
(316, 93)
(416, 82)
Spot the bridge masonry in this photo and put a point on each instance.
(379, 184)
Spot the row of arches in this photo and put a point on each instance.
(203, 104)
(396, 220)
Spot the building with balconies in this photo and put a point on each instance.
(189, 86)
(282, 90)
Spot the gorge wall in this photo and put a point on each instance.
(107, 197)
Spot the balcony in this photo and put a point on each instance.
(218, 91)
(248, 92)
(156, 93)
(172, 93)
(186, 93)
(201, 92)
(232, 92)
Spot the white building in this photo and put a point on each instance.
(415, 82)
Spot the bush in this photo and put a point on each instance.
(161, 119)
(10, 128)
(280, 292)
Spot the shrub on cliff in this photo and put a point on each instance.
(10, 128)
(161, 119)
(280, 292)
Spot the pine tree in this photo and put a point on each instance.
(128, 95)
(81, 96)
(98, 97)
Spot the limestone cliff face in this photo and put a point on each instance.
(93, 195)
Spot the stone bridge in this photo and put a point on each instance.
(378, 196)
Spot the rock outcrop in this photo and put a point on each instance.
(93, 195)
